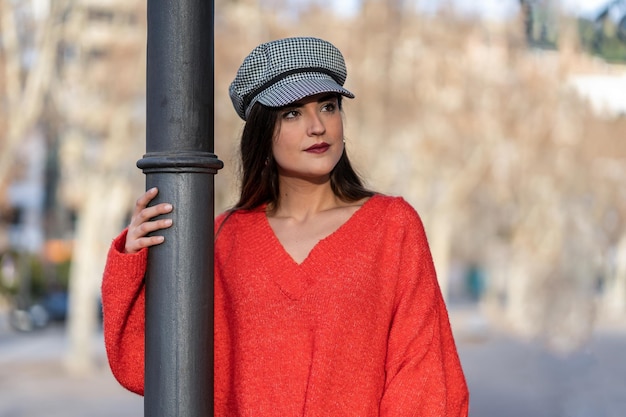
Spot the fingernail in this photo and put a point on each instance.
(160, 239)
(168, 207)
(153, 189)
(168, 222)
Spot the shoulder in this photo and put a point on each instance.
(396, 219)
(233, 219)
(221, 218)
(394, 208)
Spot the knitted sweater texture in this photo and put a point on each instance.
(359, 328)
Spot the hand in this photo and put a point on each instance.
(141, 223)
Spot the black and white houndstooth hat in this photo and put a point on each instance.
(280, 72)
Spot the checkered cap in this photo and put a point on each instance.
(280, 72)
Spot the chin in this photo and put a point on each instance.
(317, 177)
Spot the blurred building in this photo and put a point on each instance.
(89, 56)
(87, 85)
(104, 40)
(25, 197)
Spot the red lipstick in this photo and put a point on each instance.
(318, 148)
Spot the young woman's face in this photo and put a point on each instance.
(309, 137)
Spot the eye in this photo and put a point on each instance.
(290, 114)
(329, 107)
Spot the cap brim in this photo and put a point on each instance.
(286, 93)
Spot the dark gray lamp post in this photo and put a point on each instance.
(179, 160)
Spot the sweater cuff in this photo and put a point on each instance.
(135, 263)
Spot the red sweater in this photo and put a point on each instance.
(359, 328)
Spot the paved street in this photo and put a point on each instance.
(35, 383)
(507, 378)
(511, 379)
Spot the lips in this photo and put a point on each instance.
(318, 148)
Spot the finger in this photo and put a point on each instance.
(144, 242)
(143, 229)
(143, 201)
(149, 213)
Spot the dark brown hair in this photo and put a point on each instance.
(259, 173)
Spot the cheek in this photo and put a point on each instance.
(286, 140)
(337, 126)
(282, 151)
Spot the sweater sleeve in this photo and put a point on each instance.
(424, 374)
(123, 304)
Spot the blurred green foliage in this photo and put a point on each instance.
(607, 41)
(603, 35)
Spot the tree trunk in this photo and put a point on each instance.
(614, 297)
(440, 245)
(104, 210)
(25, 104)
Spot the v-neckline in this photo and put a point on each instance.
(295, 279)
(337, 232)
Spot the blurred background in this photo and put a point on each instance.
(503, 122)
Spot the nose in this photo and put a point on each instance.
(315, 126)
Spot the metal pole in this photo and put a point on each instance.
(180, 161)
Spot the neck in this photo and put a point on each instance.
(300, 199)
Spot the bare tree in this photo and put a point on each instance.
(26, 87)
(100, 94)
(482, 136)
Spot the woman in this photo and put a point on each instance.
(326, 299)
